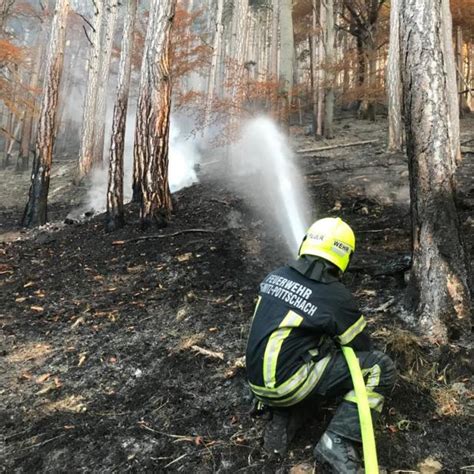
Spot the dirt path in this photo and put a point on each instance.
(121, 357)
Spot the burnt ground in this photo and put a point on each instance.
(126, 355)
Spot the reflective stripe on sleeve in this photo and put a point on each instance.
(275, 341)
(350, 333)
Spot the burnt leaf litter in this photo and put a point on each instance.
(126, 354)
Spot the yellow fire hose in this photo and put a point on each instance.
(365, 416)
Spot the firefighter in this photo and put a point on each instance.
(303, 315)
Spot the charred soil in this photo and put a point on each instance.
(126, 354)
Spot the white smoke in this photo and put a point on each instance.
(263, 155)
(183, 158)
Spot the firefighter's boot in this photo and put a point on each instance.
(280, 431)
(340, 453)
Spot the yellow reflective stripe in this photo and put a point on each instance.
(275, 341)
(284, 389)
(313, 352)
(352, 331)
(375, 399)
(259, 299)
(307, 386)
(373, 379)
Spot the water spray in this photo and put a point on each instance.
(264, 157)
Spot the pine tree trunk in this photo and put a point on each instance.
(108, 29)
(86, 154)
(36, 208)
(287, 51)
(216, 54)
(274, 39)
(439, 290)
(453, 98)
(329, 36)
(394, 85)
(27, 126)
(8, 139)
(151, 186)
(314, 54)
(321, 72)
(115, 214)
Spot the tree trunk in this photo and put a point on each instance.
(439, 290)
(321, 72)
(8, 139)
(86, 154)
(216, 54)
(287, 51)
(108, 29)
(27, 125)
(274, 39)
(115, 215)
(314, 55)
(453, 98)
(329, 36)
(36, 208)
(151, 186)
(394, 85)
(460, 70)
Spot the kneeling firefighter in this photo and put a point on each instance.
(303, 316)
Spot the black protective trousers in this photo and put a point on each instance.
(379, 375)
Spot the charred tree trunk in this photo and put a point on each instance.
(394, 85)
(115, 216)
(151, 186)
(36, 208)
(439, 290)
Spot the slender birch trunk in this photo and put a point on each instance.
(115, 214)
(36, 208)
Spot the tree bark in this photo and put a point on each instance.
(287, 51)
(439, 291)
(151, 186)
(108, 28)
(27, 125)
(36, 208)
(86, 154)
(314, 54)
(216, 54)
(329, 36)
(321, 71)
(394, 85)
(115, 214)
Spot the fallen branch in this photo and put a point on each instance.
(163, 236)
(340, 145)
(467, 149)
(206, 352)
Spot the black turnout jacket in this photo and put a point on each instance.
(297, 312)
